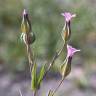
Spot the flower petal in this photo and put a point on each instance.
(71, 51)
(68, 16)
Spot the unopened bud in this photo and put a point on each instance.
(25, 25)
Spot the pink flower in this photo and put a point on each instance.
(68, 16)
(71, 51)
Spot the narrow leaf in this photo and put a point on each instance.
(34, 78)
(40, 77)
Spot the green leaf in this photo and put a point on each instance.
(65, 68)
(34, 78)
(40, 77)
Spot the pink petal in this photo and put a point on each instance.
(68, 16)
(71, 51)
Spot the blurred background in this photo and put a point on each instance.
(47, 24)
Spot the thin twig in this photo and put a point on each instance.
(20, 92)
(57, 87)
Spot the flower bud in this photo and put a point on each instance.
(25, 25)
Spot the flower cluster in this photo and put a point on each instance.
(28, 38)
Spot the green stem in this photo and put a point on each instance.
(53, 60)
